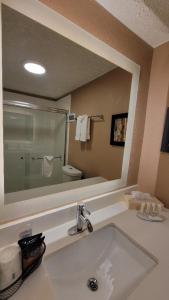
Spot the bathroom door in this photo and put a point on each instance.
(29, 135)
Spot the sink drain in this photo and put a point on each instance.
(92, 284)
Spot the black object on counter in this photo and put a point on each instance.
(32, 251)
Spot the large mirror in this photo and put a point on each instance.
(65, 111)
(69, 104)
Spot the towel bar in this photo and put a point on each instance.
(55, 157)
(34, 158)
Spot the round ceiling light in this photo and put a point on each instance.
(34, 68)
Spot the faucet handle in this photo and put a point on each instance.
(82, 208)
(85, 210)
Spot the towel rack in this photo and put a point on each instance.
(97, 118)
(35, 158)
(55, 157)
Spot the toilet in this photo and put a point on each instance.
(70, 173)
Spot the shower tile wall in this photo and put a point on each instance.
(31, 134)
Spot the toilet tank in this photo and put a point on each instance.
(70, 173)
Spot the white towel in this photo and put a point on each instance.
(88, 128)
(83, 128)
(47, 166)
(78, 128)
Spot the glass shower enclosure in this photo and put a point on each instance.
(30, 134)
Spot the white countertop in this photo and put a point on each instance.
(153, 237)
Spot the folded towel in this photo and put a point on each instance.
(88, 129)
(47, 166)
(83, 128)
(78, 128)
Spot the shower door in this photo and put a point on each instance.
(29, 135)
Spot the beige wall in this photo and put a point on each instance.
(155, 116)
(106, 95)
(95, 19)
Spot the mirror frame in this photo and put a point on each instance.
(53, 20)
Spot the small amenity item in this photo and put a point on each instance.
(135, 199)
(149, 208)
(150, 212)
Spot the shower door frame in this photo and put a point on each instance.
(37, 107)
(24, 104)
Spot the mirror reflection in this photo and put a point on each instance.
(65, 111)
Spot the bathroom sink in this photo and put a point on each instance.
(106, 255)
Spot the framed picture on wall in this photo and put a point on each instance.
(165, 139)
(118, 129)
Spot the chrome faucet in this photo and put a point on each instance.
(83, 223)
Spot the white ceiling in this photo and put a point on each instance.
(68, 65)
(149, 19)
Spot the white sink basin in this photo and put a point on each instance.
(107, 255)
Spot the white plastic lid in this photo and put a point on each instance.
(9, 253)
(71, 171)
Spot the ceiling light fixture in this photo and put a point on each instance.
(34, 68)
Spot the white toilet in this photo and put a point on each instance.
(70, 173)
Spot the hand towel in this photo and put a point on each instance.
(83, 128)
(83, 131)
(78, 128)
(47, 166)
(88, 129)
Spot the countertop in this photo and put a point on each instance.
(153, 237)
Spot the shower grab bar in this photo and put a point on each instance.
(36, 158)
(55, 157)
